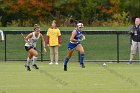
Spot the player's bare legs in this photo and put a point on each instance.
(81, 50)
(34, 54)
(29, 59)
(32, 57)
(69, 54)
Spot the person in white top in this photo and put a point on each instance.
(30, 46)
(2, 35)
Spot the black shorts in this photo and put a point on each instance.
(28, 48)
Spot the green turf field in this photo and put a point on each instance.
(95, 78)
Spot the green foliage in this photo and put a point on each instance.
(24, 10)
(91, 12)
(122, 19)
(88, 10)
(133, 7)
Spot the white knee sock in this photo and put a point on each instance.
(28, 61)
(34, 60)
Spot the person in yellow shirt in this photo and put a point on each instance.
(53, 40)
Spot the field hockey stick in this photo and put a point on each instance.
(36, 48)
(22, 35)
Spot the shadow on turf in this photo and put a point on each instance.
(117, 74)
(60, 81)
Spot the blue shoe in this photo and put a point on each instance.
(129, 62)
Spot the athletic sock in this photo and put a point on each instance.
(66, 61)
(28, 61)
(82, 58)
(34, 60)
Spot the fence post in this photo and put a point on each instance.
(118, 48)
(5, 48)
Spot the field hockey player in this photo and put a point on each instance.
(30, 47)
(75, 39)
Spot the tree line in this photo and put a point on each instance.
(68, 12)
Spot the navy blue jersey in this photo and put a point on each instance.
(79, 33)
(135, 34)
(73, 45)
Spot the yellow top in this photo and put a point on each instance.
(53, 36)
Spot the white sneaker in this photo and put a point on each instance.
(51, 63)
(56, 63)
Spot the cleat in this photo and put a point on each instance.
(82, 65)
(35, 66)
(129, 62)
(27, 68)
(51, 63)
(65, 67)
(56, 63)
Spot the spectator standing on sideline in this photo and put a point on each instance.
(2, 35)
(135, 36)
(53, 40)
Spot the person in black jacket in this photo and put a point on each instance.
(135, 36)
